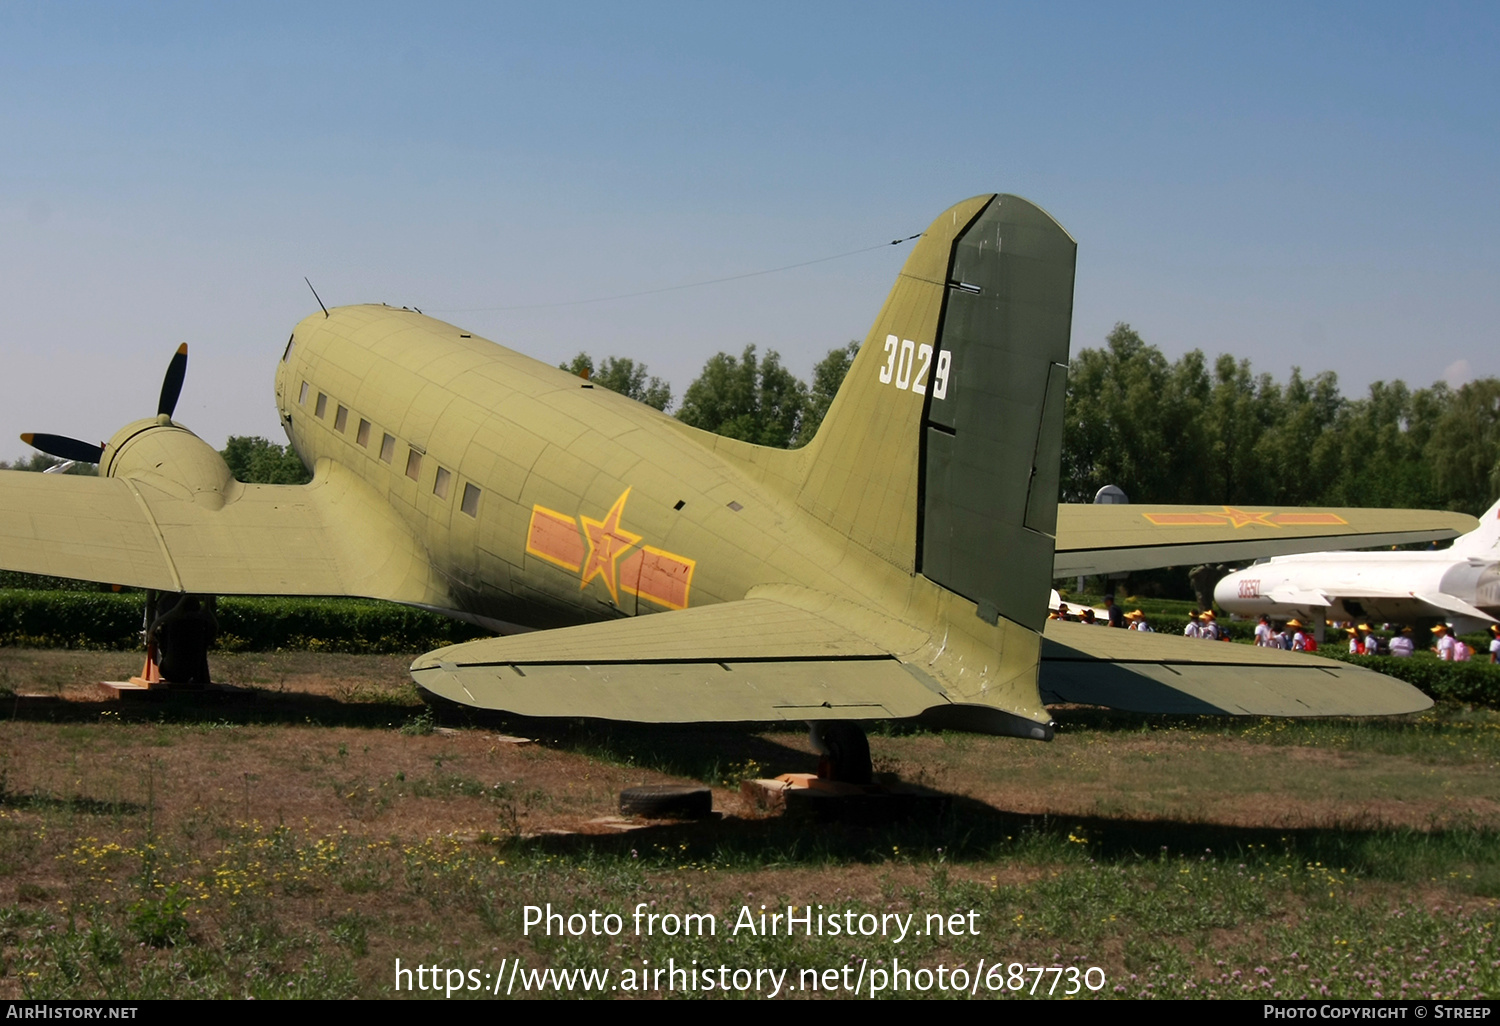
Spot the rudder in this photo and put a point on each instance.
(940, 453)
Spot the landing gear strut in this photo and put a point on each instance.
(179, 631)
(843, 750)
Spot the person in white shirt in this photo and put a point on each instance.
(1495, 643)
(1401, 644)
(1444, 645)
(1299, 639)
(1138, 621)
(1263, 633)
(1210, 630)
(1194, 629)
(1371, 642)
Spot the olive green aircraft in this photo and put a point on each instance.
(897, 566)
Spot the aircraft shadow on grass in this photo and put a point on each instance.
(976, 832)
(967, 830)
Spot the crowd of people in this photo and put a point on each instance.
(1293, 634)
(1113, 616)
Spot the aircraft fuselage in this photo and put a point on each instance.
(543, 499)
(1384, 585)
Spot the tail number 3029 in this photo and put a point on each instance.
(907, 365)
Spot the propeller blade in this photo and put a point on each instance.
(171, 385)
(64, 448)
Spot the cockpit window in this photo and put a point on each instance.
(288, 352)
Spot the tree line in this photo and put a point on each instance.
(1165, 431)
(1186, 432)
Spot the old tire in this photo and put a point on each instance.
(666, 801)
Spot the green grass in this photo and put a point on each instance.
(235, 853)
(1276, 919)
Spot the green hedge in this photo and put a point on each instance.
(38, 582)
(104, 620)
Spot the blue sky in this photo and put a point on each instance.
(1306, 185)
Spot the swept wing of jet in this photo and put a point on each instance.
(1460, 583)
(896, 566)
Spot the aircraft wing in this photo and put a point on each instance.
(1162, 673)
(752, 660)
(1452, 604)
(1103, 539)
(330, 537)
(1442, 603)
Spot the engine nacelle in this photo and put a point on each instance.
(170, 458)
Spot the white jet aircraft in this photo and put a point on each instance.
(1460, 583)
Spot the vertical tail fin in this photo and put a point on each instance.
(1483, 540)
(940, 452)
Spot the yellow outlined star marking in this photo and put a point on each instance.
(607, 543)
(1240, 517)
(1237, 518)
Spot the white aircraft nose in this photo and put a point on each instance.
(1233, 590)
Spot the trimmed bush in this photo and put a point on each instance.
(105, 620)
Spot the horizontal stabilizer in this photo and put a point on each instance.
(746, 661)
(1158, 673)
(1105, 539)
(749, 660)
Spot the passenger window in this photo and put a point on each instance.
(388, 448)
(363, 438)
(440, 484)
(470, 505)
(413, 464)
(322, 406)
(341, 418)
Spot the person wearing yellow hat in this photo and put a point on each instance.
(1210, 630)
(1356, 647)
(1371, 642)
(1301, 638)
(1444, 644)
(1495, 643)
(1138, 621)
